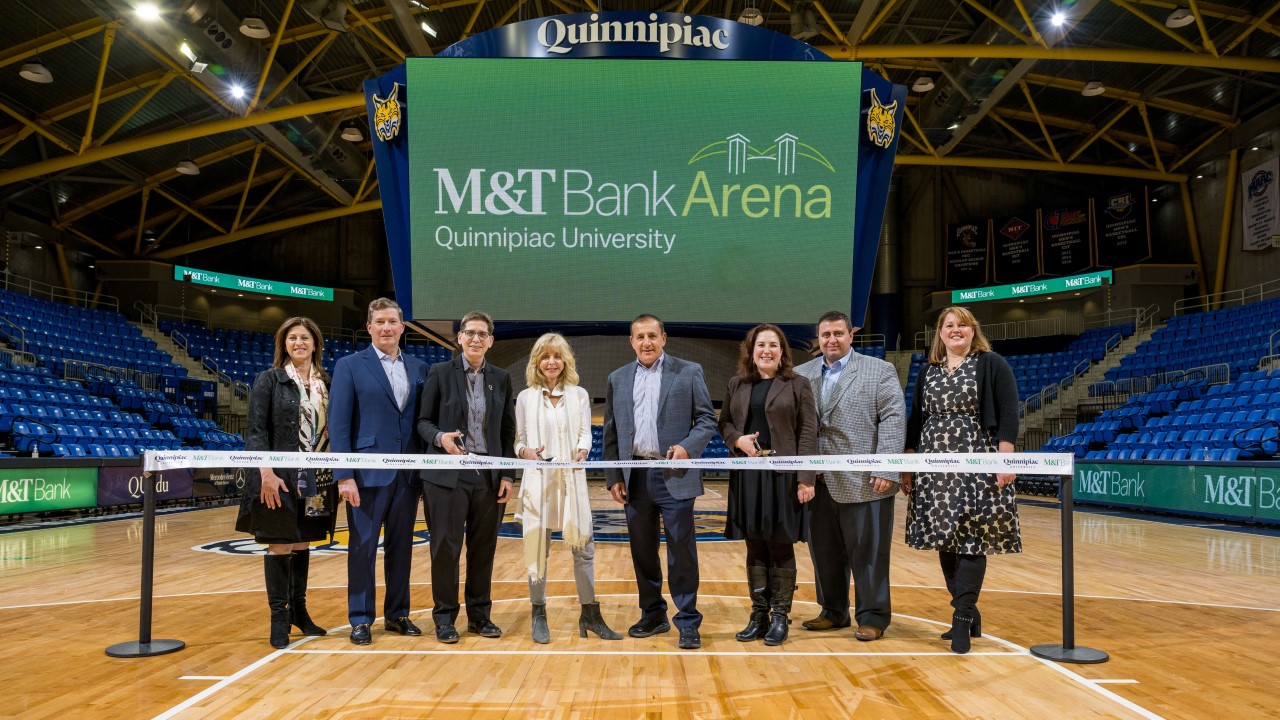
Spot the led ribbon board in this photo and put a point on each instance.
(252, 285)
(1033, 287)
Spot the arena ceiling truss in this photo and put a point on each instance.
(276, 128)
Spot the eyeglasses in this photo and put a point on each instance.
(476, 334)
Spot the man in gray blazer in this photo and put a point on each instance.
(860, 411)
(659, 407)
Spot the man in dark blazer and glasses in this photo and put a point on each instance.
(659, 407)
(466, 408)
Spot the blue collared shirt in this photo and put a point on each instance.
(831, 375)
(644, 395)
(396, 375)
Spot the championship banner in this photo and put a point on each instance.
(1064, 240)
(1016, 254)
(1122, 228)
(967, 254)
(1260, 206)
(1020, 463)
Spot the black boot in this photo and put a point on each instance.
(970, 572)
(948, 561)
(782, 587)
(541, 633)
(276, 569)
(758, 586)
(298, 595)
(592, 620)
(960, 628)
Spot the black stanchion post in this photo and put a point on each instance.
(1067, 651)
(145, 646)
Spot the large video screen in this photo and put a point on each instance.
(594, 190)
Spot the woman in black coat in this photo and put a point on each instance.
(287, 509)
(768, 407)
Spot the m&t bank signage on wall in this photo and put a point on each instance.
(252, 285)
(1244, 492)
(28, 490)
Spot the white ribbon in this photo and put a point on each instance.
(1019, 463)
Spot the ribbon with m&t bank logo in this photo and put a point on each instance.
(1019, 463)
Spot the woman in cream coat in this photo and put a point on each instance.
(553, 422)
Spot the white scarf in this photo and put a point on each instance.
(537, 485)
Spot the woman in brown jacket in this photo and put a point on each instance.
(768, 409)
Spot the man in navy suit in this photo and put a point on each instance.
(466, 408)
(659, 407)
(373, 403)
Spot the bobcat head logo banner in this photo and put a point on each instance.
(386, 115)
(880, 124)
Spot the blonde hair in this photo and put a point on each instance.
(551, 343)
(938, 352)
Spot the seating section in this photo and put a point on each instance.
(57, 332)
(1186, 421)
(242, 354)
(1038, 370)
(1236, 336)
(104, 415)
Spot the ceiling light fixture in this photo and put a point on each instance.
(923, 84)
(804, 21)
(187, 167)
(147, 11)
(188, 53)
(751, 15)
(1058, 18)
(36, 72)
(1180, 17)
(1093, 88)
(255, 27)
(351, 133)
(428, 29)
(237, 91)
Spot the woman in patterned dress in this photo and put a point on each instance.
(553, 422)
(966, 400)
(287, 509)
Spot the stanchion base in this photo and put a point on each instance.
(140, 649)
(1080, 655)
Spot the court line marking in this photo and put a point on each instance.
(1018, 650)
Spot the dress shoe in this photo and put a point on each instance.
(484, 628)
(649, 625)
(689, 639)
(360, 634)
(867, 633)
(446, 634)
(821, 623)
(403, 626)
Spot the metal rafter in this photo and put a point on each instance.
(1084, 145)
(1004, 24)
(1258, 22)
(248, 184)
(81, 104)
(141, 103)
(111, 198)
(1151, 136)
(55, 39)
(1158, 25)
(1039, 166)
(206, 200)
(1084, 128)
(271, 58)
(185, 206)
(1031, 103)
(1065, 54)
(182, 134)
(396, 53)
(271, 227)
(1025, 140)
(1204, 31)
(284, 180)
(108, 37)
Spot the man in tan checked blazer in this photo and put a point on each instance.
(860, 411)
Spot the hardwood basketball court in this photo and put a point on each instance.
(1190, 615)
